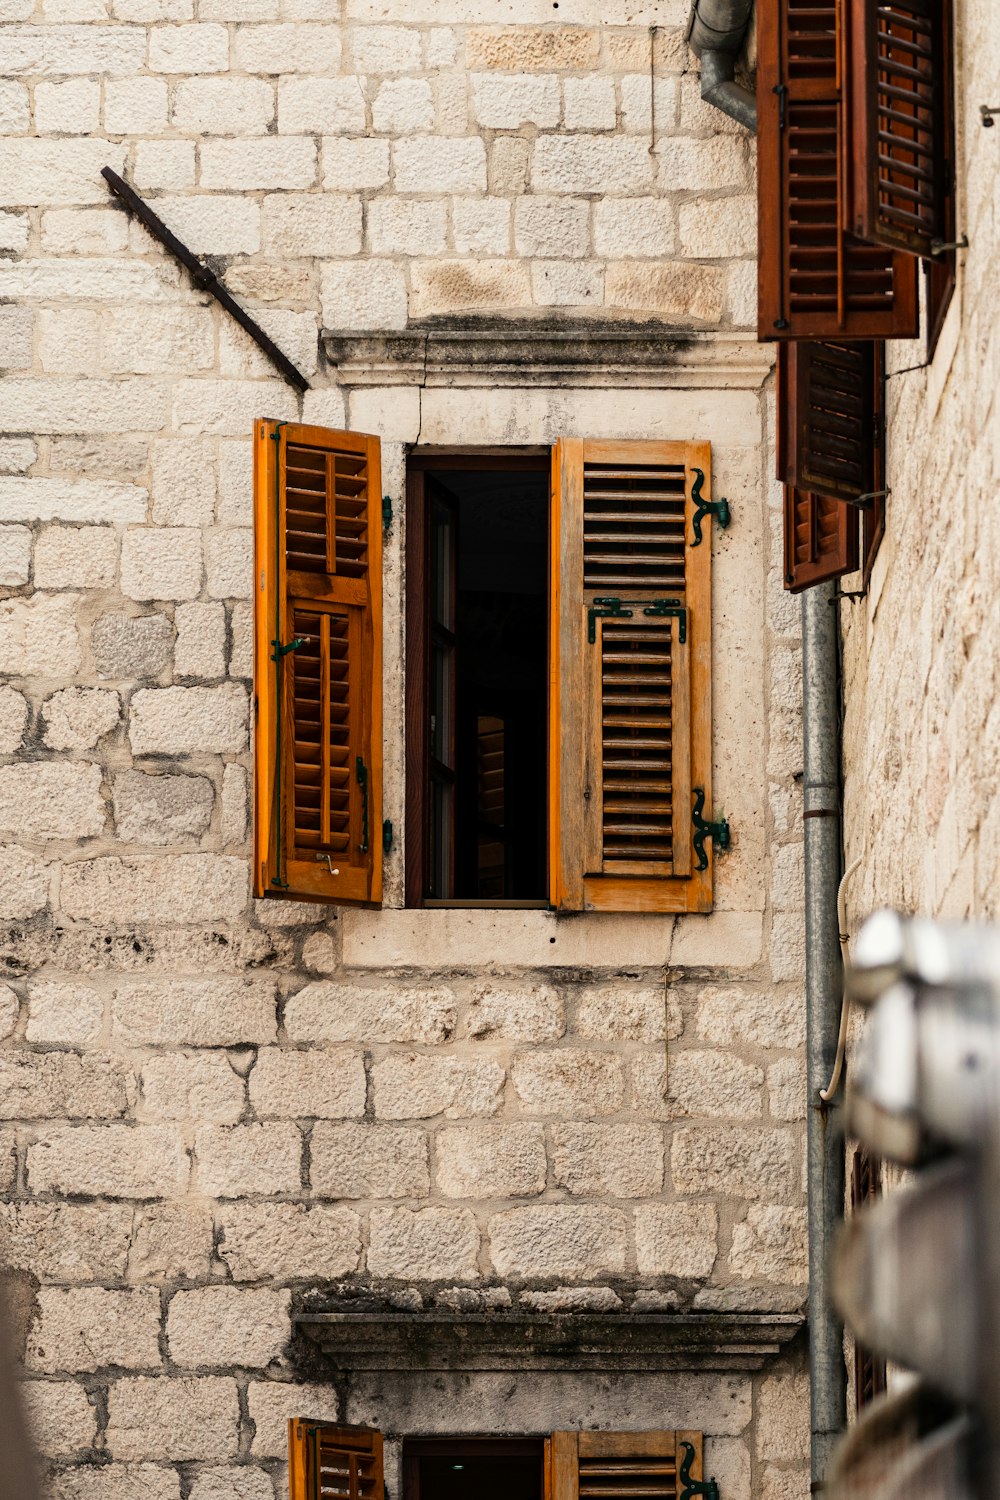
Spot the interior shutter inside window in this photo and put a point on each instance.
(317, 664)
(327, 1462)
(630, 710)
(900, 69)
(628, 1465)
(815, 279)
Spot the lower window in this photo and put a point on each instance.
(474, 1469)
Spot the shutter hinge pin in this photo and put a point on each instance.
(280, 650)
(386, 513)
(718, 831)
(986, 113)
(941, 247)
(717, 509)
(707, 1487)
(387, 836)
(782, 93)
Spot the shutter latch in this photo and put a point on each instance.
(362, 774)
(280, 650)
(718, 832)
(717, 509)
(692, 1487)
(602, 608)
(671, 607)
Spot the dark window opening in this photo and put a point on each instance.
(477, 681)
(473, 1469)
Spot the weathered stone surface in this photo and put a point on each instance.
(558, 1240)
(242, 1483)
(676, 1239)
(431, 1244)
(271, 1404)
(569, 1081)
(64, 1013)
(50, 800)
(414, 1086)
(131, 645)
(13, 718)
(200, 650)
(161, 809)
(181, 720)
(516, 49)
(60, 1242)
(501, 1011)
(24, 882)
(619, 1161)
(760, 1018)
(53, 1085)
(491, 1161)
(174, 888)
(9, 1009)
(786, 1089)
(236, 1161)
(197, 1086)
(113, 1161)
(171, 1241)
(712, 1084)
(369, 1161)
(328, 1085)
(173, 1417)
(115, 1482)
(87, 1327)
(60, 1418)
(326, 1011)
(78, 718)
(784, 1484)
(39, 636)
(223, 1325)
(194, 1012)
(15, 555)
(616, 1013)
(76, 557)
(724, 1159)
(771, 1245)
(288, 1241)
(782, 1426)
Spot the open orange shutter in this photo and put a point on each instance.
(317, 664)
(630, 703)
(900, 73)
(629, 1465)
(327, 1462)
(815, 280)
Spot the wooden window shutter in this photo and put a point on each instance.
(816, 281)
(630, 661)
(326, 1462)
(900, 79)
(821, 539)
(317, 664)
(626, 1465)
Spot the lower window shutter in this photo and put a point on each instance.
(630, 709)
(627, 1465)
(815, 280)
(821, 539)
(329, 1462)
(317, 664)
(830, 421)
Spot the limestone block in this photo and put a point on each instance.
(34, 500)
(171, 1241)
(589, 103)
(760, 1018)
(508, 164)
(135, 106)
(69, 108)
(60, 1418)
(86, 231)
(526, 49)
(16, 454)
(732, 1160)
(67, 1013)
(113, 1161)
(235, 461)
(558, 1240)
(619, 1161)
(439, 165)
(183, 484)
(13, 718)
(8, 1160)
(587, 163)
(634, 227)
(41, 1085)
(788, 952)
(75, 557)
(406, 226)
(503, 1011)
(573, 1299)
(403, 106)
(198, 1086)
(16, 325)
(491, 1161)
(241, 633)
(116, 50)
(200, 649)
(708, 1084)
(786, 1089)
(164, 164)
(161, 809)
(737, 934)
(15, 555)
(705, 231)
(173, 1418)
(625, 1013)
(84, 1328)
(223, 106)
(233, 1161)
(369, 1161)
(717, 161)
(189, 49)
(415, 1086)
(551, 226)
(569, 1082)
(507, 101)
(480, 226)
(450, 285)
(671, 289)
(323, 1084)
(727, 1460)
(782, 1426)
(216, 1012)
(234, 804)
(9, 1010)
(306, 224)
(115, 1482)
(334, 106)
(127, 646)
(240, 1483)
(39, 636)
(161, 563)
(67, 341)
(429, 1244)
(15, 110)
(156, 888)
(676, 1239)
(645, 101)
(50, 800)
(567, 283)
(784, 1484)
(77, 718)
(288, 1241)
(364, 295)
(273, 162)
(80, 405)
(351, 166)
(24, 883)
(386, 49)
(288, 48)
(225, 1325)
(293, 332)
(183, 720)
(771, 1245)
(271, 1404)
(66, 1241)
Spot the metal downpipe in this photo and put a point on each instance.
(824, 982)
(716, 33)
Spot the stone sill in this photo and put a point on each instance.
(567, 1341)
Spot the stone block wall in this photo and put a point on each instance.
(216, 1111)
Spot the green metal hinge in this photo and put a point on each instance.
(604, 608)
(718, 832)
(387, 836)
(386, 513)
(717, 509)
(671, 607)
(692, 1487)
(280, 650)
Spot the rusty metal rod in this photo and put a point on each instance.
(203, 276)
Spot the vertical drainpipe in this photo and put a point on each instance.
(824, 1137)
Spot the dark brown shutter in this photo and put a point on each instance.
(830, 426)
(317, 664)
(821, 539)
(327, 1462)
(815, 280)
(900, 83)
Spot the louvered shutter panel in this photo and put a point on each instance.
(900, 69)
(830, 417)
(317, 664)
(821, 539)
(630, 726)
(622, 1465)
(327, 1462)
(815, 280)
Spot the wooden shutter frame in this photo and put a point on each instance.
(306, 1437)
(564, 1450)
(571, 888)
(276, 873)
